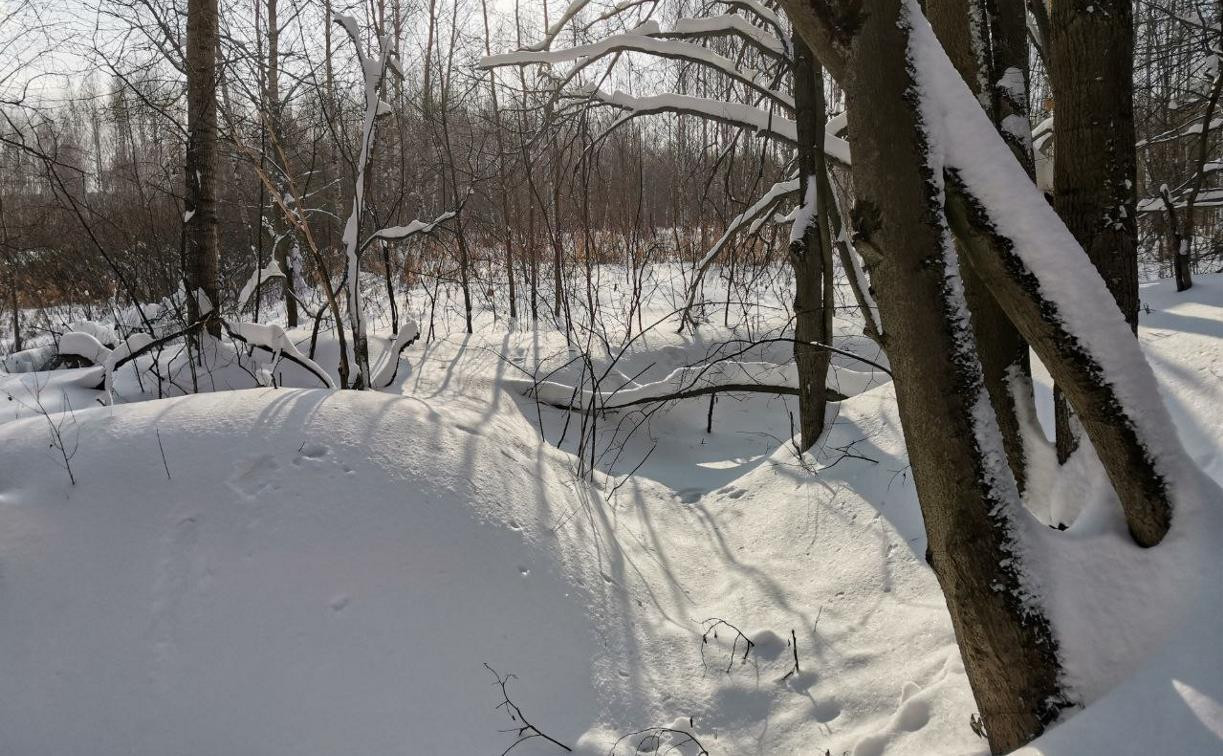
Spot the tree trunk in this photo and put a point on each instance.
(503, 193)
(810, 249)
(969, 502)
(203, 255)
(16, 309)
(275, 131)
(1094, 169)
(971, 517)
(961, 29)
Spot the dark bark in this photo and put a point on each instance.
(970, 505)
(810, 255)
(1094, 174)
(203, 255)
(1009, 653)
(960, 27)
(1090, 53)
(1105, 418)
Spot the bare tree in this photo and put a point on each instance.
(200, 215)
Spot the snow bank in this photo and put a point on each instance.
(307, 572)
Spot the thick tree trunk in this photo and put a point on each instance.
(1094, 170)
(1105, 418)
(1008, 649)
(968, 497)
(961, 28)
(203, 255)
(810, 253)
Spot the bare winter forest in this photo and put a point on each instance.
(611, 376)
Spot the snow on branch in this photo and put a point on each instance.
(272, 338)
(398, 233)
(730, 25)
(641, 40)
(736, 114)
(374, 74)
(258, 277)
(760, 209)
(1088, 339)
(733, 113)
(695, 380)
(388, 364)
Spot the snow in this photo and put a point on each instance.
(272, 337)
(270, 271)
(388, 364)
(962, 136)
(316, 572)
(728, 24)
(397, 233)
(85, 346)
(747, 116)
(643, 40)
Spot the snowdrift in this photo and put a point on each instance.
(302, 571)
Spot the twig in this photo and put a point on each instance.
(525, 729)
(794, 648)
(711, 626)
(652, 741)
(163, 453)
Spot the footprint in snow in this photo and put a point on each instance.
(312, 451)
(253, 476)
(690, 495)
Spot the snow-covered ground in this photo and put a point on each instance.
(302, 571)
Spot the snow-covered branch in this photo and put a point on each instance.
(644, 39)
(399, 233)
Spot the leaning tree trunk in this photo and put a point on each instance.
(969, 501)
(203, 255)
(1008, 650)
(981, 61)
(810, 250)
(1091, 56)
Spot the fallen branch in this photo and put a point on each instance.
(732, 388)
(525, 729)
(661, 740)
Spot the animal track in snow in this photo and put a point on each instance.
(912, 714)
(690, 495)
(311, 450)
(254, 476)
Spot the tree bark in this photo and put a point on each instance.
(1091, 56)
(971, 508)
(16, 307)
(811, 253)
(276, 134)
(961, 28)
(1105, 418)
(203, 254)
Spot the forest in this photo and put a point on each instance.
(687, 377)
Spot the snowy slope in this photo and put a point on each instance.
(312, 572)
